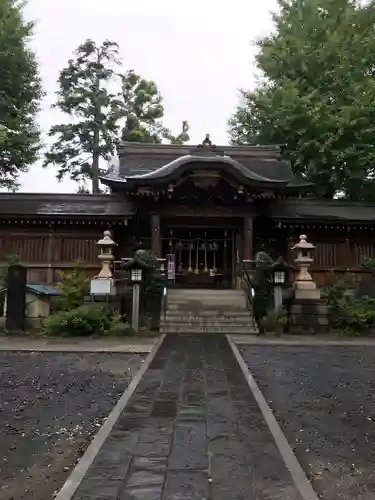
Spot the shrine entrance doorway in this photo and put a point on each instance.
(204, 256)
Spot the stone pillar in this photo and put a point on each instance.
(155, 235)
(248, 238)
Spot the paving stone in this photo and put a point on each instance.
(164, 409)
(156, 439)
(142, 493)
(99, 488)
(187, 486)
(189, 449)
(193, 431)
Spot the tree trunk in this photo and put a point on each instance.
(95, 172)
(96, 142)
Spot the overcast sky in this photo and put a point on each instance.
(199, 52)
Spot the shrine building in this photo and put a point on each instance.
(209, 208)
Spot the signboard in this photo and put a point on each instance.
(171, 266)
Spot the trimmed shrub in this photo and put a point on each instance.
(82, 321)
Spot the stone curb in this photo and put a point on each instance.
(301, 482)
(245, 340)
(134, 348)
(74, 480)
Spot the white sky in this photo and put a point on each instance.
(199, 52)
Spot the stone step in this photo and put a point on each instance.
(217, 319)
(204, 291)
(211, 312)
(207, 311)
(201, 317)
(212, 327)
(194, 305)
(202, 330)
(206, 300)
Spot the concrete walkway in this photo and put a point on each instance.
(71, 344)
(191, 430)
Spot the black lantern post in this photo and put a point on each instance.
(279, 270)
(137, 267)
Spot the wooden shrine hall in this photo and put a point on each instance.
(208, 208)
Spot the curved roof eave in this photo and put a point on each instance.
(178, 166)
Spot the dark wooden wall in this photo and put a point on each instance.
(47, 252)
(339, 252)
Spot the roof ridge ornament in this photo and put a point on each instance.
(207, 141)
(207, 148)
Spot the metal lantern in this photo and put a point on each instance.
(136, 275)
(136, 266)
(279, 270)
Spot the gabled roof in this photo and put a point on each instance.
(154, 163)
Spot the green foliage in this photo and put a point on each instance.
(20, 94)
(10, 260)
(316, 97)
(274, 321)
(143, 111)
(368, 264)
(98, 118)
(153, 281)
(180, 138)
(74, 286)
(85, 320)
(93, 112)
(261, 282)
(348, 311)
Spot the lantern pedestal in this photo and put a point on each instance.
(306, 290)
(102, 286)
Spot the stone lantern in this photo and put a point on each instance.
(304, 285)
(308, 313)
(103, 283)
(106, 257)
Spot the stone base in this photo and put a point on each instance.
(308, 316)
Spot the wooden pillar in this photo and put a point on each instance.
(155, 235)
(50, 277)
(248, 238)
(238, 257)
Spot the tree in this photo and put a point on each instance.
(94, 113)
(181, 138)
(20, 94)
(143, 111)
(317, 95)
(98, 119)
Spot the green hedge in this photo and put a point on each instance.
(80, 322)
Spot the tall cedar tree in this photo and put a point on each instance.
(101, 118)
(20, 94)
(144, 111)
(318, 95)
(94, 113)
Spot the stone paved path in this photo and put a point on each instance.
(191, 431)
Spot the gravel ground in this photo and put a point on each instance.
(51, 405)
(324, 400)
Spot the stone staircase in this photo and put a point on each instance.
(207, 311)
